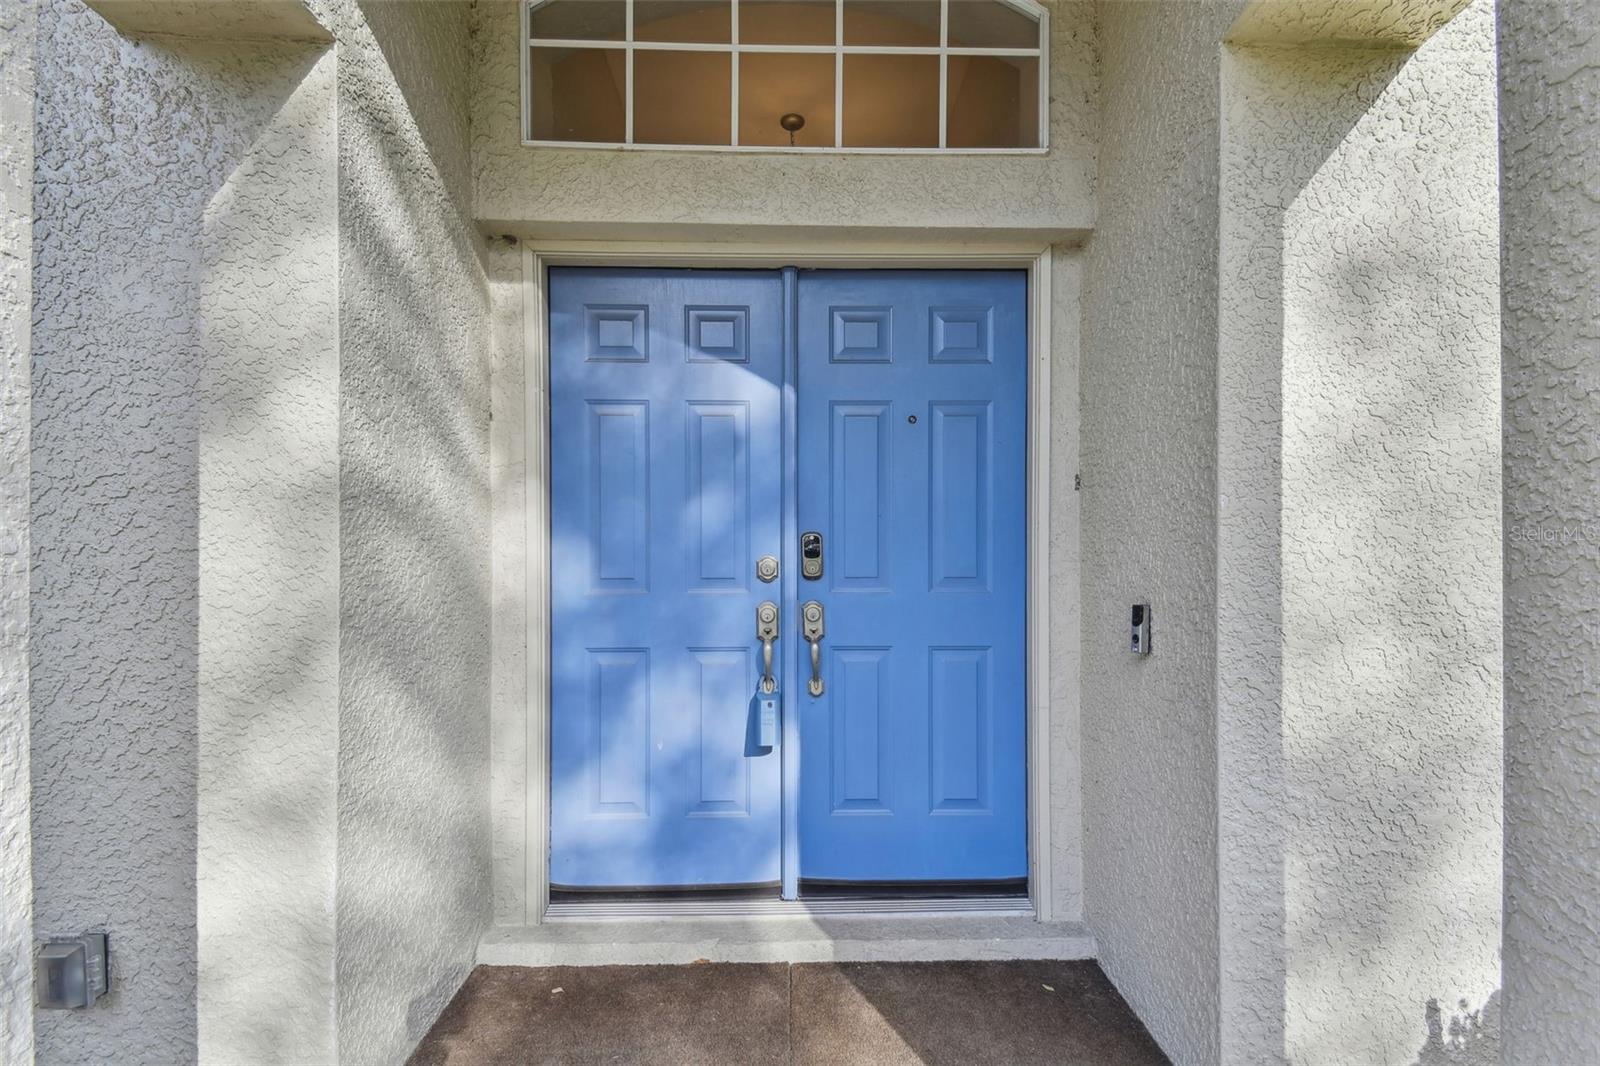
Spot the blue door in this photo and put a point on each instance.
(673, 465)
(912, 451)
(665, 432)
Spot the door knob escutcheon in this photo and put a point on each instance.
(811, 627)
(766, 633)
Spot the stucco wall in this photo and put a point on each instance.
(413, 864)
(1550, 139)
(1359, 474)
(269, 582)
(1149, 506)
(586, 192)
(16, 231)
(1066, 570)
(261, 607)
(508, 476)
(137, 144)
(1391, 563)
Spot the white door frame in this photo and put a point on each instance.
(537, 256)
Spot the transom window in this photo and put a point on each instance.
(786, 75)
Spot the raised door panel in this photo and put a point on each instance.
(618, 490)
(619, 732)
(862, 508)
(717, 503)
(959, 516)
(859, 743)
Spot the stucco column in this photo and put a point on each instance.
(1550, 263)
(16, 298)
(184, 510)
(1358, 696)
(269, 581)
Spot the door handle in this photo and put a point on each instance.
(811, 628)
(766, 633)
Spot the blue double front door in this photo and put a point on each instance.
(826, 468)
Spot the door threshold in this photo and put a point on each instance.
(797, 936)
(600, 910)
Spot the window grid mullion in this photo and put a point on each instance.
(780, 49)
(1042, 135)
(838, 73)
(527, 72)
(733, 61)
(627, 78)
(944, 72)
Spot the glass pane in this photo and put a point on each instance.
(773, 85)
(786, 21)
(991, 24)
(579, 20)
(692, 21)
(994, 102)
(682, 97)
(891, 101)
(576, 94)
(896, 22)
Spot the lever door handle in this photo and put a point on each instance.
(811, 627)
(767, 632)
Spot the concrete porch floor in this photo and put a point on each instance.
(878, 1013)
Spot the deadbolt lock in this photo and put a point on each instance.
(811, 556)
(767, 568)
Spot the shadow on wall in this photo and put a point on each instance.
(1471, 1038)
(413, 753)
(137, 140)
(1360, 294)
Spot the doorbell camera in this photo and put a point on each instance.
(1141, 629)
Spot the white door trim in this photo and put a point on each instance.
(538, 256)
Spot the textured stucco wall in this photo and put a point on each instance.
(598, 192)
(1359, 474)
(1261, 172)
(413, 865)
(260, 662)
(1149, 506)
(16, 255)
(1066, 581)
(269, 582)
(137, 144)
(1391, 564)
(508, 474)
(1550, 139)
(1349, 23)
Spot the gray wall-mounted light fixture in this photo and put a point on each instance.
(70, 973)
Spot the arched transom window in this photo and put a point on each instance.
(801, 75)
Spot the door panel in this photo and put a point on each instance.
(912, 459)
(665, 447)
